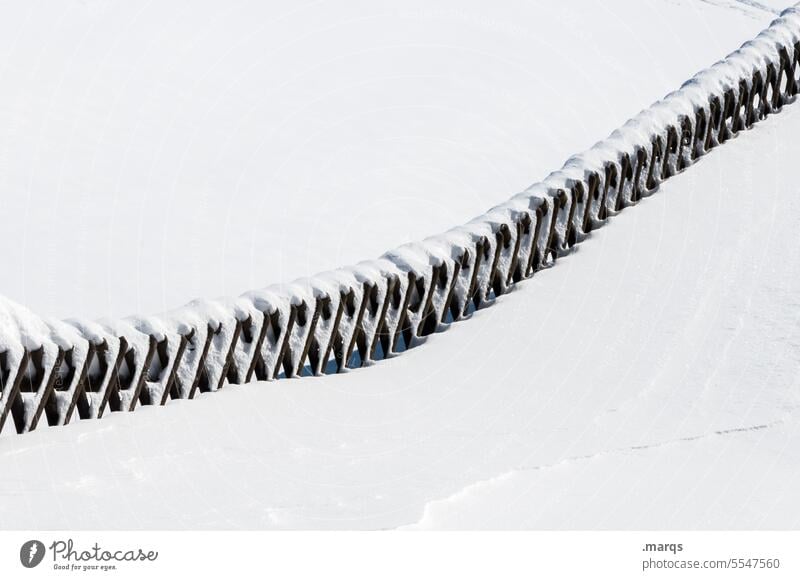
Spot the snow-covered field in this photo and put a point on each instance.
(153, 154)
(168, 154)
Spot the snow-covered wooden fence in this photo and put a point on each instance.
(52, 372)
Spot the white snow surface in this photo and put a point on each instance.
(636, 132)
(649, 380)
(153, 154)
